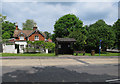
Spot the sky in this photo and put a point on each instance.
(45, 13)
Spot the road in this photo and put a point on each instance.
(69, 69)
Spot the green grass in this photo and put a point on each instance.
(53, 54)
(0, 54)
(28, 54)
(97, 54)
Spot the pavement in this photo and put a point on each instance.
(58, 61)
(60, 69)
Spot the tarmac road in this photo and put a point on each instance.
(60, 70)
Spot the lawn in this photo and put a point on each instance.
(97, 54)
(28, 54)
(53, 54)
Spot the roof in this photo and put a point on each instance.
(49, 40)
(65, 39)
(26, 32)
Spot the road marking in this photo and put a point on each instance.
(112, 80)
(81, 61)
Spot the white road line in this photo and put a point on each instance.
(112, 80)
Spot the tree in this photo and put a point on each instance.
(38, 45)
(28, 25)
(8, 27)
(116, 27)
(50, 46)
(6, 35)
(2, 18)
(48, 35)
(100, 31)
(80, 40)
(66, 24)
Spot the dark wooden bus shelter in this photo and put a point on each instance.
(64, 46)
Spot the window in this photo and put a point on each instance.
(68, 45)
(21, 37)
(22, 47)
(59, 46)
(36, 37)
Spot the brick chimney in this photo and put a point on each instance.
(35, 27)
(16, 26)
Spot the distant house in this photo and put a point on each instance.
(21, 37)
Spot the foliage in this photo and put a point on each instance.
(41, 44)
(28, 25)
(66, 24)
(80, 39)
(8, 28)
(5, 40)
(49, 45)
(116, 27)
(6, 35)
(2, 18)
(100, 31)
(70, 26)
(48, 35)
(53, 37)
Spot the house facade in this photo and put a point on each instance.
(22, 36)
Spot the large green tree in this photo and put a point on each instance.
(28, 25)
(80, 40)
(6, 35)
(100, 31)
(116, 27)
(2, 18)
(8, 27)
(67, 24)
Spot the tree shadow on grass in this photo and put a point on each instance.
(53, 74)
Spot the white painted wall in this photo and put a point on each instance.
(9, 48)
(46, 50)
(21, 43)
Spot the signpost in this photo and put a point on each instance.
(100, 47)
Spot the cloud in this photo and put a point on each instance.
(46, 13)
(60, 0)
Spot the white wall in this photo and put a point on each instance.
(9, 49)
(21, 43)
(46, 50)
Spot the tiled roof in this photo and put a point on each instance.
(26, 32)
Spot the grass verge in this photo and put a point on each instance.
(53, 54)
(28, 54)
(97, 54)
